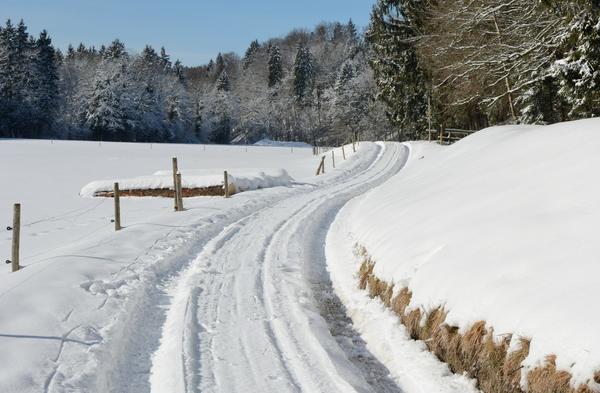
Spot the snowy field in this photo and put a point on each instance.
(259, 292)
(47, 178)
(500, 227)
(69, 250)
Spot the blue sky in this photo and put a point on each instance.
(193, 31)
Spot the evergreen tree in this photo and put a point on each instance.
(223, 82)
(351, 31)
(345, 75)
(275, 66)
(105, 115)
(250, 53)
(150, 58)
(165, 59)
(70, 52)
(219, 65)
(116, 50)
(7, 71)
(577, 71)
(400, 79)
(338, 32)
(46, 81)
(179, 71)
(303, 74)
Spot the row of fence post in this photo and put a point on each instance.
(177, 202)
(321, 167)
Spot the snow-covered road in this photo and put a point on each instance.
(243, 316)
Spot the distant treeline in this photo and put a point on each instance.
(314, 86)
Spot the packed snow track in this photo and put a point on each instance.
(253, 310)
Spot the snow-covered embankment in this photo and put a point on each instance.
(487, 250)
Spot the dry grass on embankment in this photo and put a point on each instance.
(169, 193)
(476, 352)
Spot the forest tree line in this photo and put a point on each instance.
(475, 63)
(314, 86)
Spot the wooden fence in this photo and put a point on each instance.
(448, 136)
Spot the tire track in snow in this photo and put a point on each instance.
(265, 332)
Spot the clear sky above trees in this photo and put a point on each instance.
(192, 30)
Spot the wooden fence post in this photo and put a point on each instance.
(321, 168)
(354, 147)
(333, 158)
(179, 193)
(117, 207)
(441, 134)
(175, 170)
(343, 152)
(16, 229)
(226, 184)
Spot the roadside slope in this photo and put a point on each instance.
(500, 227)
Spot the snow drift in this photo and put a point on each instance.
(500, 227)
(241, 179)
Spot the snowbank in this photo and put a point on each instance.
(242, 179)
(500, 227)
(269, 142)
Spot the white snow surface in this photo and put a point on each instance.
(501, 227)
(244, 179)
(229, 295)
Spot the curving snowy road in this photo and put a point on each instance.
(250, 313)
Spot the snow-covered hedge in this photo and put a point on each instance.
(241, 179)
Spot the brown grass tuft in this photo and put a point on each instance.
(366, 270)
(478, 352)
(401, 301)
(548, 379)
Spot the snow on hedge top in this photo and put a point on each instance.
(269, 142)
(243, 180)
(503, 227)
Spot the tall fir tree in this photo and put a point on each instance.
(345, 75)
(116, 50)
(179, 71)
(303, 74)
(165, 59)
(250, 54)
(219, 65)
(275, 66)
(45, 81)
(400, 79)
(351, 31)
(105, 114)
(577, 71)
(7, 66)
(223, 82)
